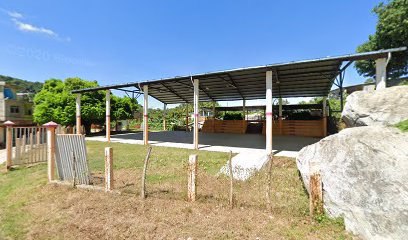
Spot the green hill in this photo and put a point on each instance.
(22, 85)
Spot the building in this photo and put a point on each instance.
(15, 107)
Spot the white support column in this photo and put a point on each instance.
(145, 115)
(164, 117)
(324, 113)
(244, 108)
(196, 111)
(381, 73)
(280, 117)
(78, 113)
(268, 112)
(108, 123)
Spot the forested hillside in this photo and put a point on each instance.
(22, 85)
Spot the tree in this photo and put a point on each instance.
(55, 102)
(391, 32)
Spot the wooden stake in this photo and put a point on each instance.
(146, 163)
(269, 182)
(108, 169)
(74, 176)
(316, 194)
(192, 177)
(231, 196)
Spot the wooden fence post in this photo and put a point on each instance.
(192, 177)
(9, 143)
(316, 194)
(108, 169)
(51, 149)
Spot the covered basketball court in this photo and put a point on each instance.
(309, 78)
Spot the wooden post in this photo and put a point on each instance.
(268, 112)
(108, 169)
(145, 115)
(9, 143)
(196, 111)
(78, 113)
(280, 117)
(316, 194)
(164, 117)
(74, 175)
(324, 114)
(108, 123)
(231, 196)
(146, 163)
(51, 149)
(192, 177)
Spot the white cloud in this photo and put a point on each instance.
(15, 14)
(24, 26)
(31, 28)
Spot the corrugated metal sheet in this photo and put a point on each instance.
(67, 147)
(309, 78)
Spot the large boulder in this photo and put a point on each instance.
(380, 107)
(365, 179)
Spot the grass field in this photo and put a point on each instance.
(32, 209)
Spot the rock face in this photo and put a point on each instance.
(372, 108)
(365, 179)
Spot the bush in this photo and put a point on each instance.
(233, 116)
(403, 126)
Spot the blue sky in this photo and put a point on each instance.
(126, 41)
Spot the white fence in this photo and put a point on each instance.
(29, 145)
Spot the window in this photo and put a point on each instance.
(29, 112)
(14, 109)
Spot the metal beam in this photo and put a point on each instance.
(172, 91)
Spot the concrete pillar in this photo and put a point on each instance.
(196, 111)
(51, 126)
(244, 109)
(280, 117)
(145, 115)
(78, 114)
(381, 73)
(214, 113)
(268, 112)
(9, 143)
(108, 122)
(186, 117)
(324, 114)
(164, 117)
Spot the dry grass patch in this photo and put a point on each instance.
(57, 212)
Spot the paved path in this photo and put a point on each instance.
(251, 155)
(288, 146)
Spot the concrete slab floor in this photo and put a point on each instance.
(221, 142)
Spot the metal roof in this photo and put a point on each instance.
(263, 107)
(309, 78)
